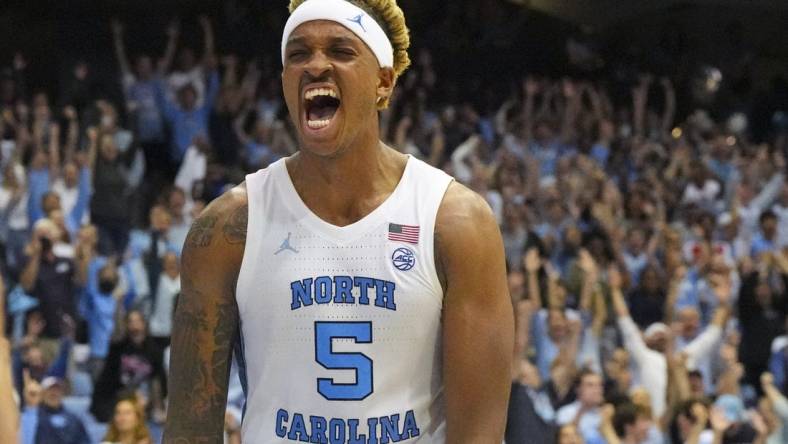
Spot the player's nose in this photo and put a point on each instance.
(318, 67)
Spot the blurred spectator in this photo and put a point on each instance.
(13, 214)
(44, 419)
(587, 410)
(49, 275)
(128, 424)
(167, 288)
(38, 358)
(133, 363)
(102, 308)
(763, 306)
(112, 184)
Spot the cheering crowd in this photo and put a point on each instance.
(647, 255)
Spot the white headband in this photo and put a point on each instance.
(348, 15)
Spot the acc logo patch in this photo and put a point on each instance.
(403, 259)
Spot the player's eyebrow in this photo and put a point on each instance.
(343, 40)
(296, 40)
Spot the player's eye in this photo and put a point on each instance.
(296, 55)
(344, 52)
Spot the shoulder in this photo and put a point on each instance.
(463, 214)
(465, 227)
(218, 235)
(460, 200)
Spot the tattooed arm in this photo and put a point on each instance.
(206, 322)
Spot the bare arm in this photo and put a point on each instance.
(606, 428)
(401, 133)
(72, 138)
(173, 30)
(779, 402)
(670, 106)
(571, 110)
(238, 126)
(438, 145)
(54, 152)
(639, 99)
(522, 333)
(532, 262)
(478, 330)
(9, 422)
(207, 30)
(230, 78)
(30, 273)
(120, 48)
(530, 88)
(206, 322)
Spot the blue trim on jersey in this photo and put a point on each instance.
(240, 359)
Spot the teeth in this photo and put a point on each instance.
(317, 124)
(312, 93)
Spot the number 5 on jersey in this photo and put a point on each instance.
(361, 333)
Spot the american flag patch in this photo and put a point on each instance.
(404, 233)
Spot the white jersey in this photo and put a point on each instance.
(341, 326)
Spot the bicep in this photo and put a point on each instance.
(204, 329)
(478, 324)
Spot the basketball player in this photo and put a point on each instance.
(367, 300)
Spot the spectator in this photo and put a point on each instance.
(625, 424)
(36, 358)
(765, 240)
(49, 276)
(139, 88)
(189, 117)
(762, 310)
(647, 300)
(45, 420)
(110, 204)
(191, 174)
(167, 289)
(181, 218)
(128, 424)
(133, 363)
(102, 308)
(13, 215)
(729, 422)
(187, 70)
(778, 405)
(587, 410)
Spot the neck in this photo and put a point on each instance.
(126, 437)
(345, 187)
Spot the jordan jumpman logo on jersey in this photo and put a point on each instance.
(286, 246)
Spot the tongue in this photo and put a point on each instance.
(322, 112)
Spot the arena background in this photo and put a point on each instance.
(472, 41)
(728, 58)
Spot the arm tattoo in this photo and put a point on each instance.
(235, 228)
(201, 232)
(202, 344)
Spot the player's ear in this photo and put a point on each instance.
(386, 82)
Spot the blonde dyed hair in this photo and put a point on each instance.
(393, 23)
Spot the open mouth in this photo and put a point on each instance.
(321, 105)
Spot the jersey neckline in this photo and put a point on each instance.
(338, 234)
